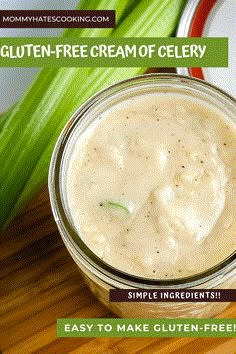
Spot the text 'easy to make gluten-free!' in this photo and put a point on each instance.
(118, 327)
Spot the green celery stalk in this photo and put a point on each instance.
(25, 168)
(4, 117)
(22, 122)
(122, 7)
(39, 98)
(47, 75)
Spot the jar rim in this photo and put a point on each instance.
(73, 240)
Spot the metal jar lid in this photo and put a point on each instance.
(211, 18)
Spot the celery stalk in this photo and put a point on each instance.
(33, 128)
(119, 6)
(4, 117)
(122, 8)
(51, 79)
(38, 103)
(34, 131)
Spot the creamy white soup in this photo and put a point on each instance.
(150, 185)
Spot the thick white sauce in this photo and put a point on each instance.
(168, 161)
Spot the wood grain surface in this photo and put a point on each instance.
(39, 282)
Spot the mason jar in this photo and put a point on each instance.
(101, 276)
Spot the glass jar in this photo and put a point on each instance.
(100, 276)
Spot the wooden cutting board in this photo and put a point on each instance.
(39, 283)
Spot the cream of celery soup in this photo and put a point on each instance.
(150, 186)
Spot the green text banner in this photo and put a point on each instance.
(113, 52)
(118, 327)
